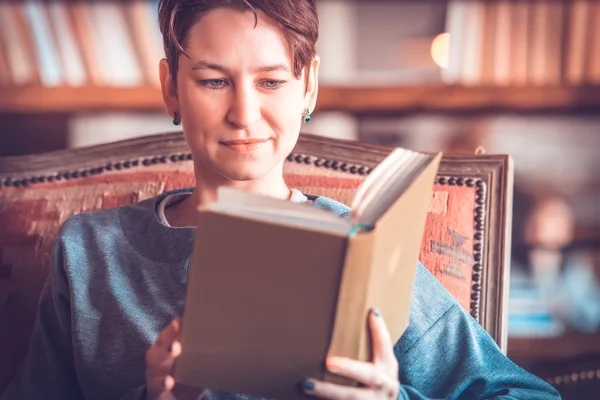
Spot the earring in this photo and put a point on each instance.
(307, 116)
(176, 119)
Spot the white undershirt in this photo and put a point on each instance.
(295, 197)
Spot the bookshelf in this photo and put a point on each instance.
(364, 100)
(69, 57)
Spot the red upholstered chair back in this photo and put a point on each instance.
(465, 243)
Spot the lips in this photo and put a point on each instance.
(244, 145)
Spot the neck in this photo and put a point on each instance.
(207, 185)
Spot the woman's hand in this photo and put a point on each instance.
(380, 376)
(160, 385)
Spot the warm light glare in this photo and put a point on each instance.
(440, 49)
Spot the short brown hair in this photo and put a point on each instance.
(298, 18)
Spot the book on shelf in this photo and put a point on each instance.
(545, 46)
(489, 52)
(471, 69)
(46, 53)
(579, 22)
(63, 34)
(502, 43)
(16, 45)
(518, 51)
(593, 67)
(275, 287)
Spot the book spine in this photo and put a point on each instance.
(488, 53)
(593, 69)
(145, 40)
(556, 31)
(46, 51)
(5, 71)
(82, 26)
(520, 38)
(471, 68)
(157, 39)
(72, 59)
(115, 45)
(502, 59)
(26, 56)
(579, 26)
(456, 19)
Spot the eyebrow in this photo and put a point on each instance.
(264, 68)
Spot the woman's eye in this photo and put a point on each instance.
(272, 84)
(213, 83)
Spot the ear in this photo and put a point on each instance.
(312, 87)
(169, 90)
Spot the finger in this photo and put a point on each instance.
(328, 390)
(160, 360)
(169, 334)
(363, 372)
(381, 342)
(159, 387)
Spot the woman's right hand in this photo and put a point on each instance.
(160, 384)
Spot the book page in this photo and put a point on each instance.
(259, 207)
(391, 178)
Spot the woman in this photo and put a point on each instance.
(241, 76)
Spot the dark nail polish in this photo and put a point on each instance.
(170, 348)
(376, 312)
(307, 385)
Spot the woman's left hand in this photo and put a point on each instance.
(380, 376)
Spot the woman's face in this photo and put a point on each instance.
(240, 103)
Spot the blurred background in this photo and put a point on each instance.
(521, 78)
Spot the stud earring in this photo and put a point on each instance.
(307, 116)
(176, 119)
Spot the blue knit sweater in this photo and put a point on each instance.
(118, 278)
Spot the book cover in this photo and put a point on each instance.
(275, 289)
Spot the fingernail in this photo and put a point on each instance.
(307, 385)
(376, 312)
(332, 364)
(170, 348)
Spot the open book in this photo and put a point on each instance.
(275, 287)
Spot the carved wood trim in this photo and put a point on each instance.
(478, 235)
(491, 174)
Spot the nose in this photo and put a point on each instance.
(245, 107)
